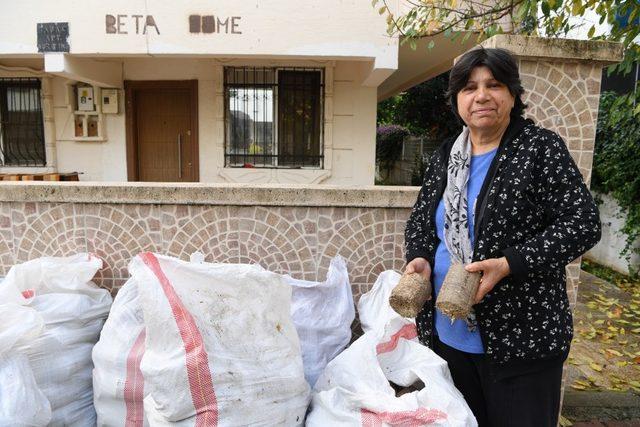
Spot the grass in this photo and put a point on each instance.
(623, 281)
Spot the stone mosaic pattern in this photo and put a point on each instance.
(296, 240)
(563, 96)
(50, 229)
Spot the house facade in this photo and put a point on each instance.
(258, 92)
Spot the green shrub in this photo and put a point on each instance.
(616, 163)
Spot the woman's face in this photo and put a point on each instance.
(484, 103)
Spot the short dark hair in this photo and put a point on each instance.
(503, 66)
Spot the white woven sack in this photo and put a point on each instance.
(375, 312)
(72, 309)
(21, 401)
(354, 389)
(220, 346)
(322, 313)
(118, 384)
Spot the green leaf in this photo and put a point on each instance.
(592, 30)
(545, 8)
(431, 45)
(382, 10)
(577, 8)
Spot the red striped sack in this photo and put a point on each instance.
(118, 385)
(220, 346)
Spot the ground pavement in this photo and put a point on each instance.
(603, 376)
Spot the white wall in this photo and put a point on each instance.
(350, 114)
(347, 38)
(354, 128)
(607, 252)
(276, 28)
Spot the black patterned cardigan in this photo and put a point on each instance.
(535, 209)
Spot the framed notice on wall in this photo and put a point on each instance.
(53, 37)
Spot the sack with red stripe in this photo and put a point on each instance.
(72, 311)
(355, 388)
(118, 385)
(220, 346)
(322, 313)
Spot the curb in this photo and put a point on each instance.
(601, 405)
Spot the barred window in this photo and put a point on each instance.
(273, 117)
(21, 124)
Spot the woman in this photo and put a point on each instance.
(506, 196)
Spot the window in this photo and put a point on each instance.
(21, 127)
(273, 117)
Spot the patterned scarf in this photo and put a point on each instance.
(456, 223)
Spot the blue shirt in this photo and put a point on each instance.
(457, 335)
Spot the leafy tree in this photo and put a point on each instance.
(422, 109)
(465, 18)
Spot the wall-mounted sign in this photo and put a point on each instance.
(129, 24)
(53, 37)
(209, 24)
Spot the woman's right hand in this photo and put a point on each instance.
(421, 266)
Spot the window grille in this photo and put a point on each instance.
(273, 117)
(21, 124)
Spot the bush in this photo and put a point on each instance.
(616, 163)
(389, 140)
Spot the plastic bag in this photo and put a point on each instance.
(355, 387)
(322, 313)
(64, 313)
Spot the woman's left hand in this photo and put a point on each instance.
(493, 270)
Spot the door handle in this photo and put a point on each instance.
(180, 155)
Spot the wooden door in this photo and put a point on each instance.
(162, 131)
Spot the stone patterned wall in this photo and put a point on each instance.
(297, 240)
(563, 96)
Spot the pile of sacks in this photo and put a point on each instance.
(195, 343)
(191, 343)
(51, 315)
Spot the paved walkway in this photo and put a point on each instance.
(603, 375)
